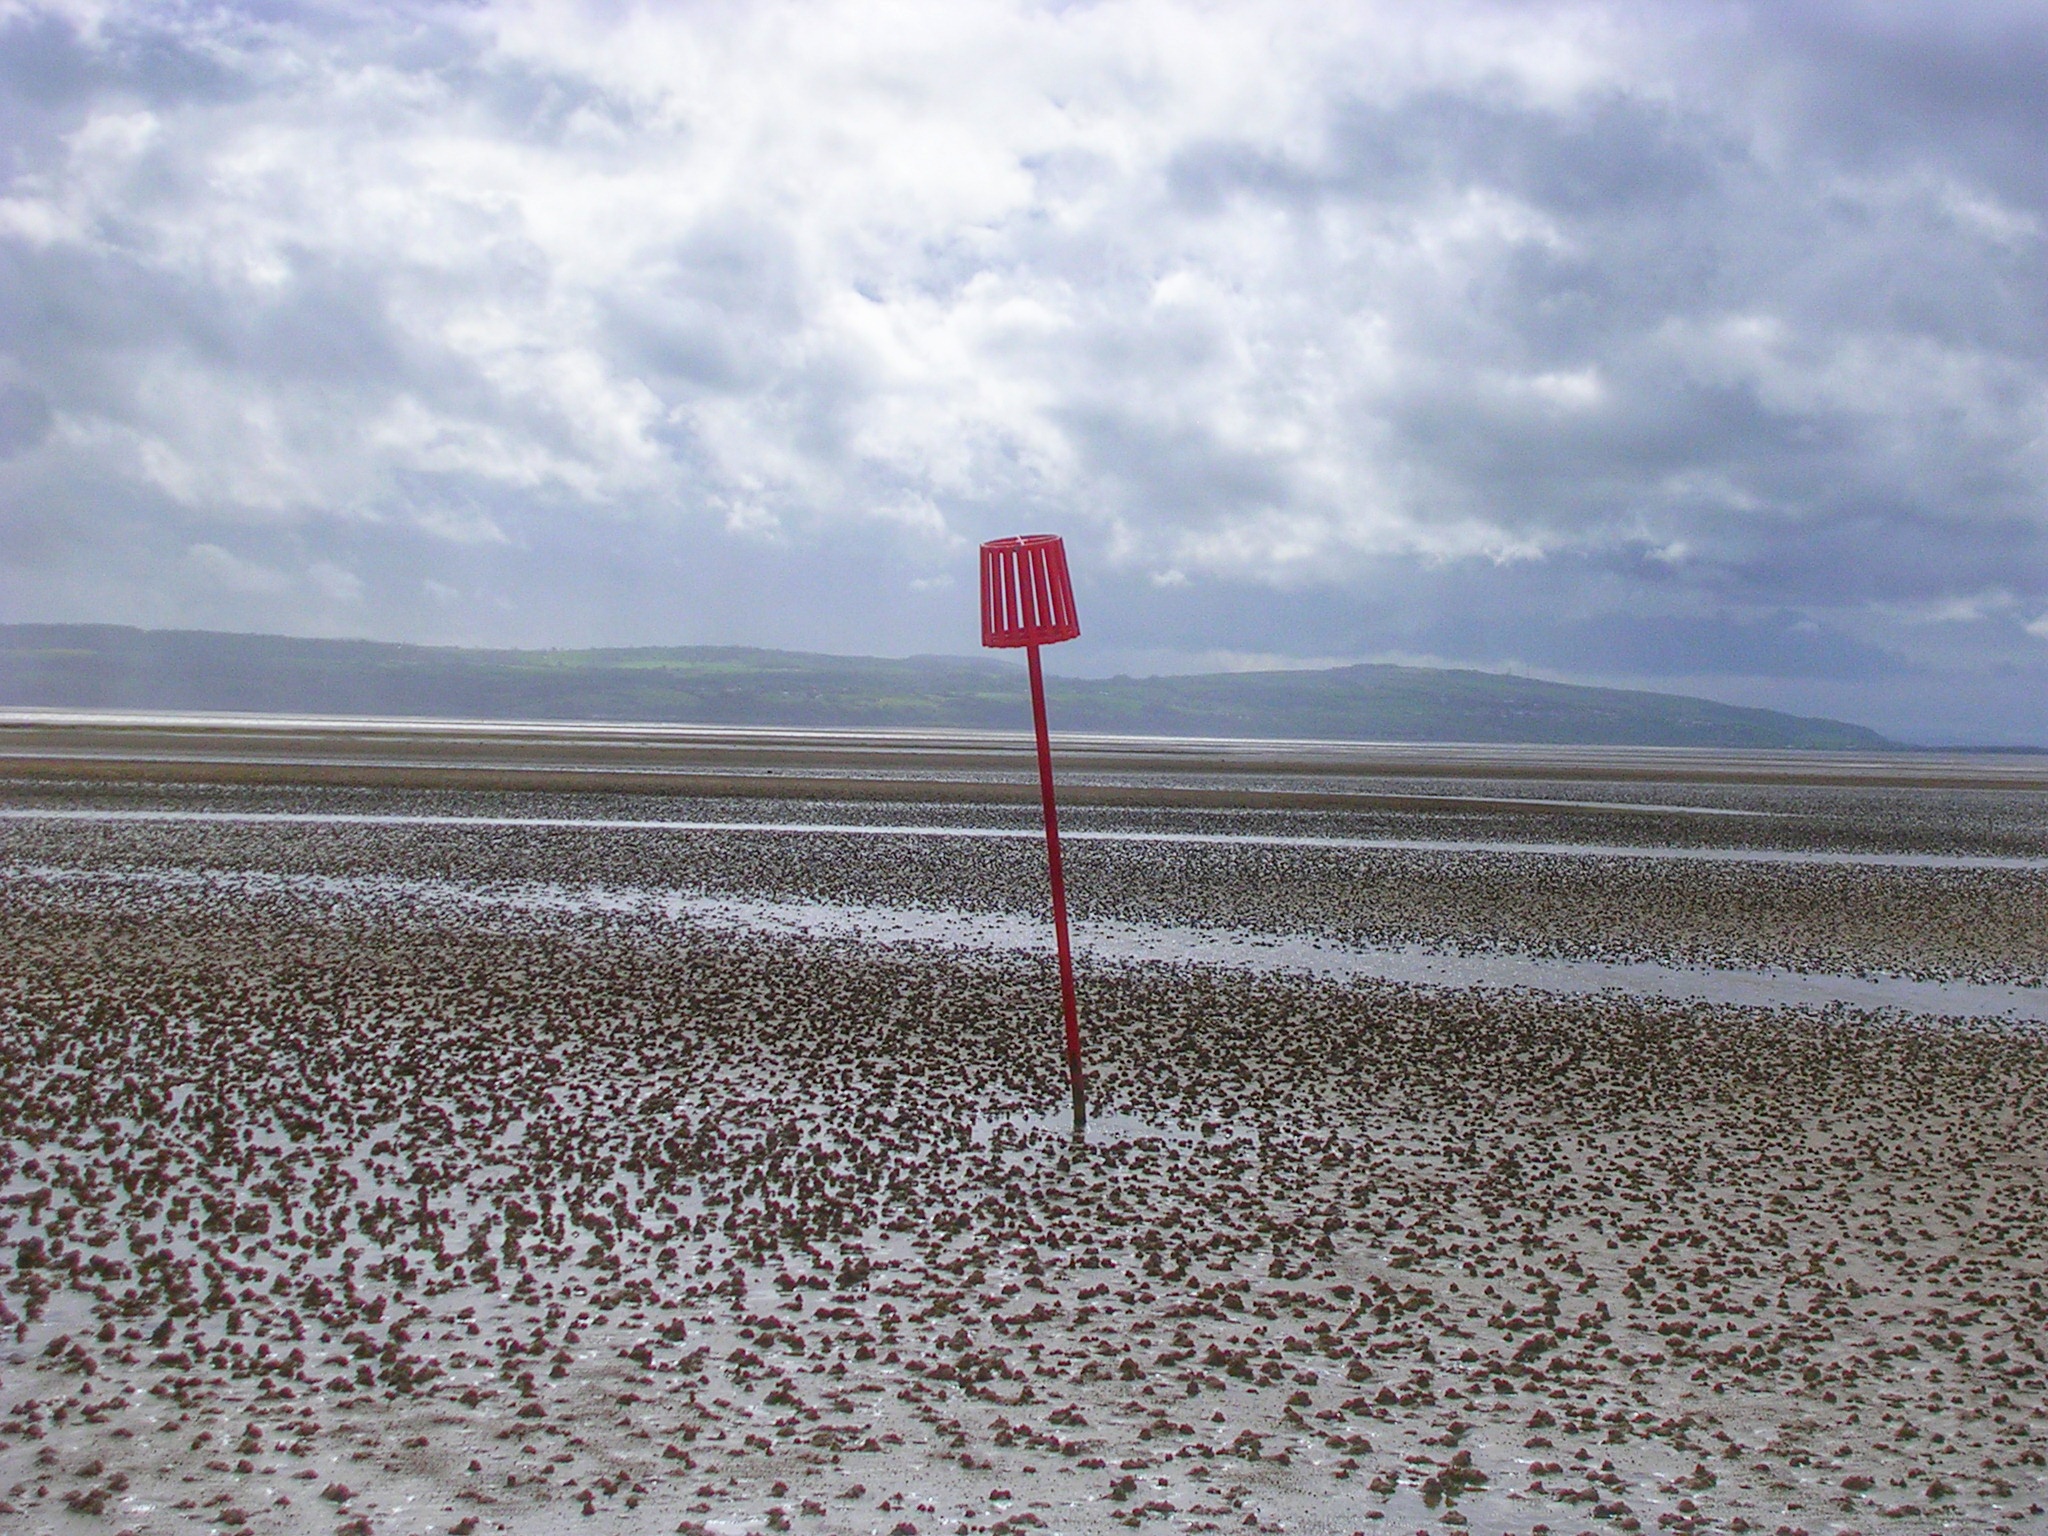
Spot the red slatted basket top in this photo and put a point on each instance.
(1027, 597)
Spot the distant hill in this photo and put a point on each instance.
(112, 667)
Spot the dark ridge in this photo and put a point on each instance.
(101, 666)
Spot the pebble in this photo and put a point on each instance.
(497, 1220)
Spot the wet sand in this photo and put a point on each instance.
(330, 1207)
(981, 932)
(1952, 912)
(928, 765)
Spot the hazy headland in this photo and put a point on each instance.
(110, 667)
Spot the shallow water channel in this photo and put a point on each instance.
(1796, 856)
(1113, 941)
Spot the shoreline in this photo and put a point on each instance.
(401, 1163)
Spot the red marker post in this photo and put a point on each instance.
(1027, 599)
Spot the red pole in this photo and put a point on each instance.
(1059, 895)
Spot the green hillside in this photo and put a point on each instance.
(113, 667)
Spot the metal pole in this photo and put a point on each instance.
(1059, 896)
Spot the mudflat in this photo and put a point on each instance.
(127, 746)
(393, 1160)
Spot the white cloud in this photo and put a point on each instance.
(213, 566)
(1716, 305)
(959, 200)
(334, 583)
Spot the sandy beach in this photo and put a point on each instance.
(472, 1174)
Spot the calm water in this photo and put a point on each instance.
(963, 932)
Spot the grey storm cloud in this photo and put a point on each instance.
(1702, 345)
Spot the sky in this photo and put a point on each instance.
(1690, 346)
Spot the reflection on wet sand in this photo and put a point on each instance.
(1165, 944)
(1852, 858)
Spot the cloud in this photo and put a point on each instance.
(1667, 329)
(25, 419)
(214, 566)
